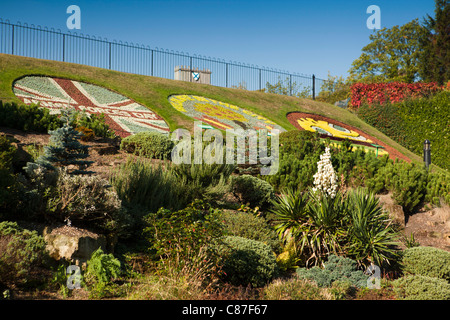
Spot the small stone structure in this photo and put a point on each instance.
(189, 74)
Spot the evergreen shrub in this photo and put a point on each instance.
(427, 261)
(418, 287)
(247, 262)
(252, 190)
(148, 144)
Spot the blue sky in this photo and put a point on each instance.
(310, 37)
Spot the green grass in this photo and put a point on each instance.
(153, 93)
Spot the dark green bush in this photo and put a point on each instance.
(299, 153)
(8, 186)
(246, 261)
(438, 188)
(148, 144)
(252, 190)
(94, 122)
(184, 240)
(427, 261)
(21, 252)
(418, 287)
(27, 118)
(336, 268)
(247, 225)
(407, 181)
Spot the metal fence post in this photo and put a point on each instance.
(152, 65)
(109, 55)
(64, 47)
(314, 87)
(226, 75)
(191, 69)
(12, 40)
(290, 84)
(260, 80)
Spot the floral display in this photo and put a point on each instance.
(220, 115)
(338, 131)
(325, 180)
(122, 114)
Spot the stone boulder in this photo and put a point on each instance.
(72, 244)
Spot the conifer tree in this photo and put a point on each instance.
(65, 148)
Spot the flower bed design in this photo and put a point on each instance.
(338, 131)
(219, 114)
(122, 114)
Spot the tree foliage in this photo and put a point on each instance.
(392, 55)
(435, 58)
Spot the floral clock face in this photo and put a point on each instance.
(123, 115)
(334, 129)
(220, 115)
(330, 129)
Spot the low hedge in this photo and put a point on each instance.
(427, 261)
(148, 144)
(418, 287)
(247, 262)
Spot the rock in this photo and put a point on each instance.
(72, 243)
(396, 213)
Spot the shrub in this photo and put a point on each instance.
(137, 183)
(427, 261)
(102, 269)
(65, 148)
(21, 252)
(391, 91)
(299, 153)
(418, 287)
(292, 289)
(252, 190)
(94, 122)
(372, 237)
(247, 262)
(407, 181)
(88, 134)
(8, 186)
(247, 225)
(86, 201)
(183, 240)
(209, 182)
(148, 144)
(412, 121)
(336, 268)
(438, 187)
(27, 118)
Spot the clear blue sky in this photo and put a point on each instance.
(298, 36)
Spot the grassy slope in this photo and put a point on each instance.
(153, 92)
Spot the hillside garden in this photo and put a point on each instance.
(214, 231)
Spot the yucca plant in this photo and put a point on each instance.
(326, 225)
(314, 222)
(371, 234)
